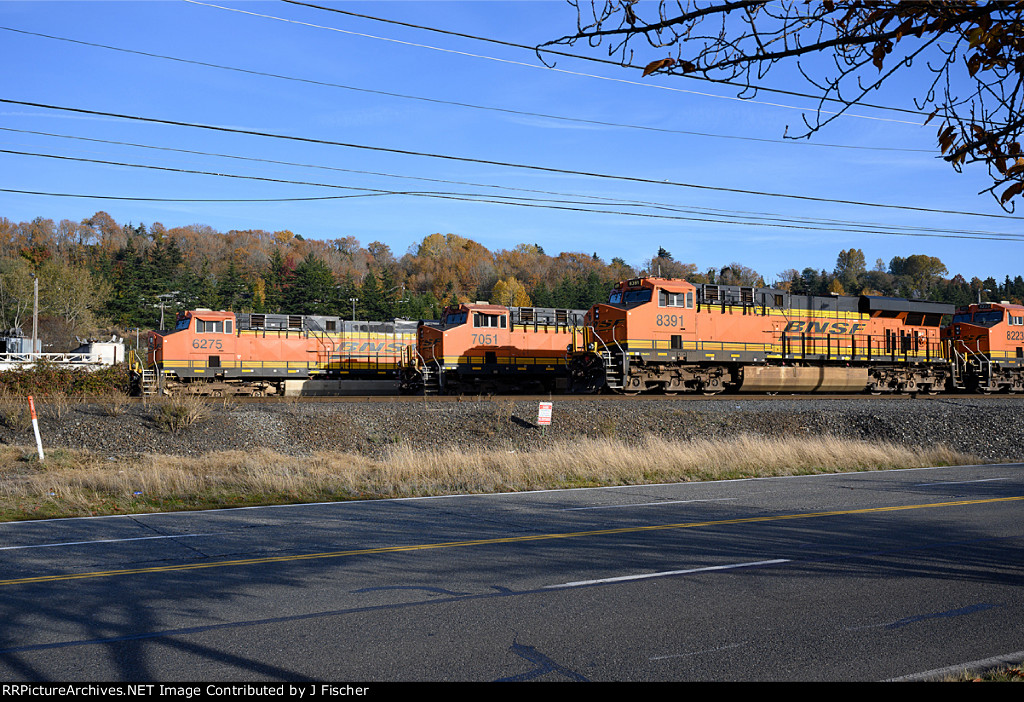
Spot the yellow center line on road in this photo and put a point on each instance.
(495, 541)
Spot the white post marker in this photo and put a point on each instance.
(544, 414)
(35, 427)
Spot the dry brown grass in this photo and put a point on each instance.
(176, 414)
(56, 405)
(78, 483)
(14, 411)
(114, 402)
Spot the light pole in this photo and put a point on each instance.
(353, 300)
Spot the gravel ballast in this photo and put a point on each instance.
(988, 428)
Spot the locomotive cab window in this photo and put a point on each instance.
(208, 327)
(489, 320)
(182, 324)
(1016, 321)
(668, 299)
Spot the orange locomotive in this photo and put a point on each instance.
(488, 348)
(673, 336)
(223, 353)
(986, 343)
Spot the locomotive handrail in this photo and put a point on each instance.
(596, 336)
(582, 330)
(981, 359)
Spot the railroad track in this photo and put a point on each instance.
(723, 397)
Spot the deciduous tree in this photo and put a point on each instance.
(847, 50)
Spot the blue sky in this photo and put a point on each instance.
(319, 47)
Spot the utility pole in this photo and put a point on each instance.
(353, 300)
(35, 312)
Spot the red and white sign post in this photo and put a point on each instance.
(35, 427)
(544, 414)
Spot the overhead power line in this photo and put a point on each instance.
(657, 86)
(767, 217)
(188, 199)
(505, 164)
(593, 59)
(541, 203)
(454, 103)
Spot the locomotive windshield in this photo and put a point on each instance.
(630, 297)
(182, 324)
(988, 319)
(454, 319)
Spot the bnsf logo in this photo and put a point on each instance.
(824, 327)
(370, 347)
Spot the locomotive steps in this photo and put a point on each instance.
(101, 460)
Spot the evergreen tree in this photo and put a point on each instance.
(277, 277)
(128, 304)
(542, 295)
(312, 289)
(232, 289)
(345, 293)
(372, 301)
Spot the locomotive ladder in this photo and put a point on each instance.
(148, 380)
(614, 369)
(431, 380)
(149, 383)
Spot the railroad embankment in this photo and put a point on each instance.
(115, 456)
(989, 428)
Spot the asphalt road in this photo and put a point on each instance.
(868, 576)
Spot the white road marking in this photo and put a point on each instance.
(648, 504)
(643, 576)
(108, 541)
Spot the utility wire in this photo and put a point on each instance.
(438, 101)
(505, 164)
(518, 201)
(546, 68)
(592, 199)
(192, 199)
(617, 64)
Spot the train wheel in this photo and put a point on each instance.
(712, 387)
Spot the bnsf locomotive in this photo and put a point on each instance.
(223, 353)
(674, 336)
(653, 335)
(986, 347)
(490, 348)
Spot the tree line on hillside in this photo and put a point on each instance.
(97, 274)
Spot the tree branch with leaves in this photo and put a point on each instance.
(971, 52)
